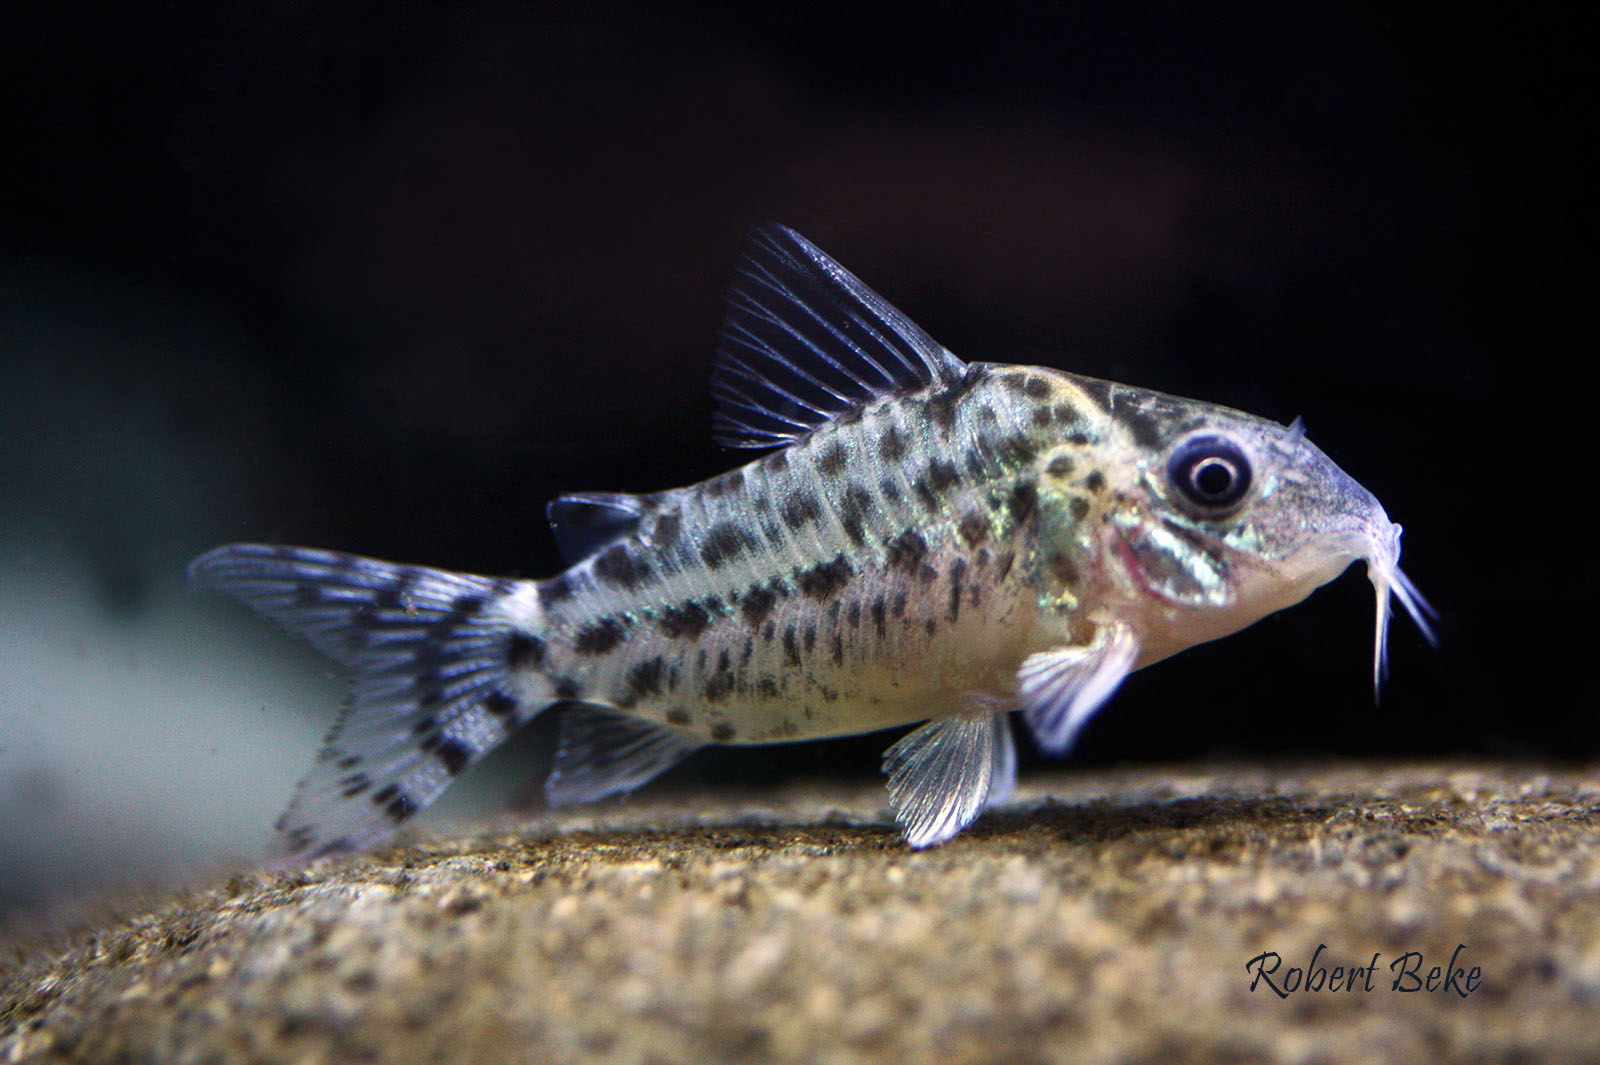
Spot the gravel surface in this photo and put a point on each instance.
(1104, 916)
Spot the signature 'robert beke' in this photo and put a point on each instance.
(924, 540)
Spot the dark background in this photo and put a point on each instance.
(387, 277)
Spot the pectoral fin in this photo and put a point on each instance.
(942, 775)
(1061, 689)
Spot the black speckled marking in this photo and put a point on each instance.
(838, 649)
(1145, 428)
(1003, 564)
(599, 637)
(800, 509)
(1060, 466)
(687, 620)
(678, 716)
(889, 490)
(853, 615)
(465, 606)
(524, 651)
(809, 638)
(832, 460)
(892, 445)
(824, 580)
(898, 607)
(943, 404)
(1079, 507)
(566, 688)
(349, 761)
(974, 528)
(724, 542)
(401, 807)
(499, 704)
(1018, 449)
(958, 572)
(1066, 413)
(557, 589)
(791, 646)
(1023, 502)
(644, 679)
(907, 551)
(1064, 569)
(854, 507)
(354, 785)
(756, 604)
(879, 612)
(767, 688)
(777, 462)
(1095, 482)
(718, 687)
(722, 732)
(452, 754)
(942, 476)
(617, 566)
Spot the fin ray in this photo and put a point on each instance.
(804, 341)
(943, 774)
(429, 654)
(604, 752)
(1062, 689)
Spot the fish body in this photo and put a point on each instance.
(930, 541)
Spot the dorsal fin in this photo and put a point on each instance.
(585, 522)
(803, 341)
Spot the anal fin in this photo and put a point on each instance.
(605, 752)
(943, 774)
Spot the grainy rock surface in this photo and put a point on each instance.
(1103, 917)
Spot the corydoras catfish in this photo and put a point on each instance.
(925, 540)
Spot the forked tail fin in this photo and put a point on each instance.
(431, 652)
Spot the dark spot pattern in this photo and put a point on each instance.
(499, 704)
(1060, 466)
(809, 638)
(958, 572)
(565, 688)
(942, 476)
(1095, 482)
(719, 687)
(524, 651)
(838, 649)
(832, 460)
(892, 445)
(452, 754)
(678, 716)
(1079, 508)
(974, 528)
(1146, 429)
(727, 484)
(767, 688)
(354, 785)
(791, 647)
(879, 613)
(1023, 502)
(599, 637)
(1063, 569)
(854, 508)
(800, 509)
(824, 580)
(686, 620)
(724, 542)
(644, 679)
(907, 551)
(722, 732)
(757, 604)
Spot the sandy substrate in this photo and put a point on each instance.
(1103, 917)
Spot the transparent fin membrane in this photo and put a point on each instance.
(1383, 569)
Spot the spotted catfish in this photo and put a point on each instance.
(929, 541)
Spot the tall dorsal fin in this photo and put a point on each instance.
(803, 341)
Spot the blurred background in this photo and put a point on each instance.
(387, 277)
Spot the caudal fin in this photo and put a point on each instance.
(430, 652)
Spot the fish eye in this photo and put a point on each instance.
(1211, 472)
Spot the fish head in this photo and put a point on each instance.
(1222, 518)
